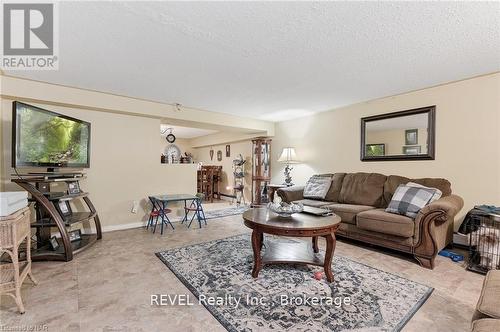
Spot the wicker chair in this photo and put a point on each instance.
(14, 229)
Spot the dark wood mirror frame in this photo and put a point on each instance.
(431, 132)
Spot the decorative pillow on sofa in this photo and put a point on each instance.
(317, 187)
(437, 195)
(408, 200)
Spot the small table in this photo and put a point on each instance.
(165, 199)
(262, 220)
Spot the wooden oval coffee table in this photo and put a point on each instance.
(262, 221)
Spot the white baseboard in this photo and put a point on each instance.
(139, 224)
(120, 227)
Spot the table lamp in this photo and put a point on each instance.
(288, 156)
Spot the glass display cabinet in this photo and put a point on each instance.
(261, 170)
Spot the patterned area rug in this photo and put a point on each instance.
(231, 211)
(288, 298)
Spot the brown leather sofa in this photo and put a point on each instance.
(360, 199)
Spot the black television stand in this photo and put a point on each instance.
(52, 170)
(53, 211)
(56, 174)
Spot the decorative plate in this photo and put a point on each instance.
(173, 151)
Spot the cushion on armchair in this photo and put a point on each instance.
(488, 305)
(486, 325)
(408, 200)
(317, 187)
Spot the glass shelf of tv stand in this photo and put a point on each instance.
(69, 220)
(56, 177)
(44, 252)
(62, 196)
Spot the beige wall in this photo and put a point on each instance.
(467, 139)
(126, 149)
(53, 94)
(243, 147)
(125, 164)
(394, 140)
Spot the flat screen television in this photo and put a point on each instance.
(42, 138)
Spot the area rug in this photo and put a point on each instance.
(231, 211)
(288, 298)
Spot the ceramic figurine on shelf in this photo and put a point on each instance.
(239, 161)
(239, 180)
(288, 176)
(264, 198)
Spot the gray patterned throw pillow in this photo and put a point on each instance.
(409, 200)
(317, 187)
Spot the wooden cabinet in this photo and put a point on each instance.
(261, 170)
(208, 181)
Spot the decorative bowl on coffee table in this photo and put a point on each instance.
(285, 210)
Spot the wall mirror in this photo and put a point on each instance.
(405, 135)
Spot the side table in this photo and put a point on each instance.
(14, 229)
(272, 188)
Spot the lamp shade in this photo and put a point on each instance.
(289, 156)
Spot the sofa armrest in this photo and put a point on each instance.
(290, 194)
(434, 228)
(451, 205)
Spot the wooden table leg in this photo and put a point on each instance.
(256, 245)
(315, 244)
(330, 249)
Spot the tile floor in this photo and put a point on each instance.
(108, 286)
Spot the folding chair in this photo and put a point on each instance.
(158, 210)
(197, 208)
